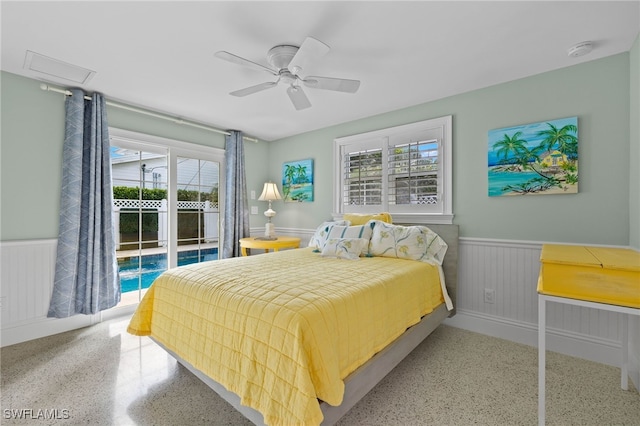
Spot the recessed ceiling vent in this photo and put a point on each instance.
(49, 68)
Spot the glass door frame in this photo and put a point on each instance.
(172, 201)
(173, 149)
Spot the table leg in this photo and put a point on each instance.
(624, 381)
(542, 311)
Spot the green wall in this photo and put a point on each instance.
(634, 151)
(31, 154)
(30, 159)
(597, 92)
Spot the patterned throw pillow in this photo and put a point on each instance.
(407, 242)
(344, 248)
(359, 231)
(322, 232)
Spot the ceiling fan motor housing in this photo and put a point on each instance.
(279, 57)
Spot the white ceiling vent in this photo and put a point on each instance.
(50, 68)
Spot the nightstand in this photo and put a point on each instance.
(266, 245)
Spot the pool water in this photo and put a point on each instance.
(138, 272)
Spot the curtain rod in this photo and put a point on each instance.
(65, 92)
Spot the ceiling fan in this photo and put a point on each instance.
(289, 64)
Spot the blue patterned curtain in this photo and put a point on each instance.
(86, 277)
(236, 205)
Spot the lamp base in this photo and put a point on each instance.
(269, 230)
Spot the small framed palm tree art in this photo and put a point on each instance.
(297, 181)
(534, 159)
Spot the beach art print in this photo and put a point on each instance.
(297, 181)
(534, 159)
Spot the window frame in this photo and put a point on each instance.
(436, 128)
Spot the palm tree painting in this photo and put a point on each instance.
(297, 181)
(537, 158)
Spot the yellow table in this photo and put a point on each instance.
(594, 277)
(266, 245)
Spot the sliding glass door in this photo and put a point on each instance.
(139, 176)
(198, 213)
(166, 209)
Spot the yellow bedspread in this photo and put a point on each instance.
(283, 329)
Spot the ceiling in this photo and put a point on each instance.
(160, 55)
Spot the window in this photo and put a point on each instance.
(166, 206)
(405, 170)
(363, 178)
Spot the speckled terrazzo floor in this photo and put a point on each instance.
(103, 376)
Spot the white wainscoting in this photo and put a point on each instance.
(508, 267)
(26, 284)
(511, 268)
(304, 234)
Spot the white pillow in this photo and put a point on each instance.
(407, 242)
(358, 231)
(320, 235)
(344, 248)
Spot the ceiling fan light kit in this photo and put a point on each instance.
(288, 64)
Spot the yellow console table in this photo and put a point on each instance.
(266, 245)
(595, 277)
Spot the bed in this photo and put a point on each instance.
(300, 336)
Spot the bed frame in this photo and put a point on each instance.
(367, 376)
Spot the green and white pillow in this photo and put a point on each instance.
(344, 248)
(359, 231)
(407, 242)
(322, 232)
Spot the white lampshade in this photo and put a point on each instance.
(270, 192)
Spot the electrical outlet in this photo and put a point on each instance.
(489, 295)
(254, 209)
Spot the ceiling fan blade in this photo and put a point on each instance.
(336, 84)
(241, 61)
(254, 89)
(310, 50)
(297, 96)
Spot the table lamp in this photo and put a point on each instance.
(269, 193)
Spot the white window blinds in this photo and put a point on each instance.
(363, 174)
(413, 173)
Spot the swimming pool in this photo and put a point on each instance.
(138, 272)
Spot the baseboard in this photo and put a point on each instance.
(43, 327)
(574, 344)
